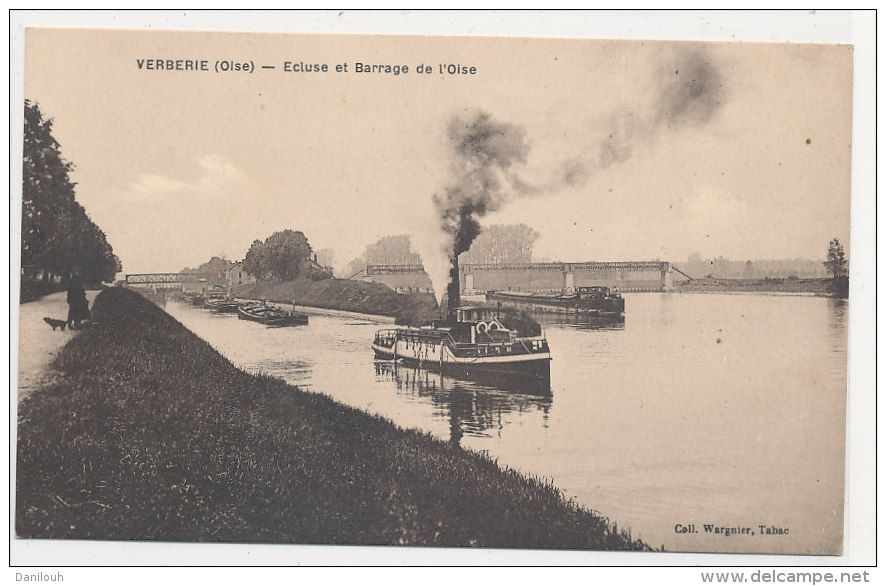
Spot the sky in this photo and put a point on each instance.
(746, 156)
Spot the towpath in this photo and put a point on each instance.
(38, 344)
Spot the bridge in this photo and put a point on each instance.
(624, 276)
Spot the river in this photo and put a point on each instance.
(699, 409)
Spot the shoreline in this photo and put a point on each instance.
(345, 295)
(149, 433)
(818, 287)
(311, 310)
(758, 293)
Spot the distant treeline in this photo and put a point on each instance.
(724, 268)
(58, 237)
(499, 243)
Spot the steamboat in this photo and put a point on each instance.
(591, 302)
(472, 343)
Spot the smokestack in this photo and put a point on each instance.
(453, 290)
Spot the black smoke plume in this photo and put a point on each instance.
(690, 91)
(483, 152)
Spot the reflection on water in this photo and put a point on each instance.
(470, 408)
(578, 321)
(837, 317)
(726, 409)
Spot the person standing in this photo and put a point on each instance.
(78, 305)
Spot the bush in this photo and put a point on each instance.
(33, 289)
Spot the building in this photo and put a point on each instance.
(235, 275)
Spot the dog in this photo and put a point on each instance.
(56, 323)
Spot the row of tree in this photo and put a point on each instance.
(58, 237)
(497, 244)
(724, 268)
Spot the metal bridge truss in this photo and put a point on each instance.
(569, 267)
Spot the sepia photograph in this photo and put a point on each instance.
(457, 291)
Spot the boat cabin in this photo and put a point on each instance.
(595, 292)
(478, 325)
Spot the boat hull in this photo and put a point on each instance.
(276, 318)
(526, 373)
(221, 306)
(611, 308)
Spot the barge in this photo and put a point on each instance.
(591, 302)
(270, 316)
(221, 305)
(474, 344)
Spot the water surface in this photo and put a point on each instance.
(725, 410)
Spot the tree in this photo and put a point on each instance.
(287, 251)
(47, 192)
(87, 251)
(281, 256)
(502, 243)
(326, 257)
(58, 237)
(836, 262)
(391, 250)
(254, 261)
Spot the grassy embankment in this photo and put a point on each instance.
(347, 295)
(148, 433)
(805, 286)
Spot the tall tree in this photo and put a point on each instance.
(287, 252)
(326, 257)
(254, 261)
(391, 250)
(58, 237)
(836, 262)
(502, 243)
(47, 193)
(281, 256)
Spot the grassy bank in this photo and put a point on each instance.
(347, 295)
(150, 434)
(804, 286)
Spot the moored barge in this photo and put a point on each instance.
(592, 302)
(271, 316)
(221, 305)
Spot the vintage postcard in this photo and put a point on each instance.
(437, 291)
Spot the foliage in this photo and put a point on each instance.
(58, 237)
(326, 257)
(33, 289)
(388, 250)
(254, 261)
(724, 268)
(836, 262)
(215, 266)
(391, 250)
(502, 243)
(281, 256)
